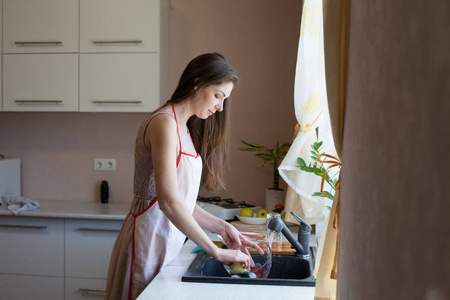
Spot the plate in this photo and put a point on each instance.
(252, 221)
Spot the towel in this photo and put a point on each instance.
(18, 204)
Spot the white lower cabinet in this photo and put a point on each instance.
(32, 246)
(82, 288)
(52, 258)
(26, 287)
(88, 246)
(32, 258)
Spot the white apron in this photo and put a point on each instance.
(148, 240)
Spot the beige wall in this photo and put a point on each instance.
(260, 39)
(395, 225)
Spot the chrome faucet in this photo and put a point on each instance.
(301, 245)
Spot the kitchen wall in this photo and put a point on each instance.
(395, 226)
(259, 37)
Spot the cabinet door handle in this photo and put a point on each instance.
(118, 42)
(86, 290)
(98, 229)
(117, 102)
(22, 226)
(39, 101)
(39, 43)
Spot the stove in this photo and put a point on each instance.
(225, 209)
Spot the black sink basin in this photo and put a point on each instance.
(286, 270)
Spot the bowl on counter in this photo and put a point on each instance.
(252, 220)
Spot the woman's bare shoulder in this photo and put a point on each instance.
(161, 130)
(162, 122)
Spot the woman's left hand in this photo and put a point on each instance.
(235, 240)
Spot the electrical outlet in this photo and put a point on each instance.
(104, 164)
(98, 164)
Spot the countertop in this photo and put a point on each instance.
(75, 210)
(168, 285)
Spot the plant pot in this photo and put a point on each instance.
(274, 197)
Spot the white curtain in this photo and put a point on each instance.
(311, 111)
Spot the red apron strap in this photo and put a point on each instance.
(132, 261)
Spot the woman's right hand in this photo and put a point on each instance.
(230, 256)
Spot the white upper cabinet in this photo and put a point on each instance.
(119, 25)
(40, 82)
(119, 82)
(40, 26)
(80, 55)
(1, 23)
(1, 101)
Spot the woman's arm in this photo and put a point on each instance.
(232, 237)
(161, 135)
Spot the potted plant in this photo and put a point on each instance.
(273, 156)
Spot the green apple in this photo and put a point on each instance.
(262, 213)
(247, 212)
(237, 268)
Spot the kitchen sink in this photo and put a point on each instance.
(286, 270)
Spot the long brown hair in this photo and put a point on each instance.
(210, 135)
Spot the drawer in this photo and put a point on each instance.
(23, 287)
(32, 246)
(88, 247)
(80, 288)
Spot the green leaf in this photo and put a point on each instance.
(308, 169)
(329, 195)
(276, 151)
(319, 144)
(252, 144)
(317, 172)
(301, 161)
(286, 146)
(250, 149)
(318, 194)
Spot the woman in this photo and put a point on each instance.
(168, 174)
